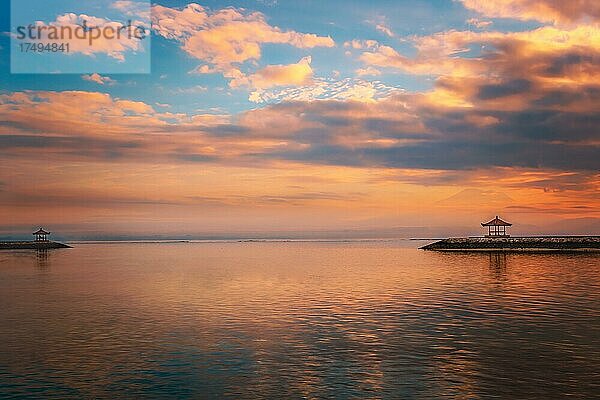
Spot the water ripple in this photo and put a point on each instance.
(297, 320)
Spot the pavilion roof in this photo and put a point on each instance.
(41, 232)
(496, 222)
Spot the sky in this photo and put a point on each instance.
(281, 117)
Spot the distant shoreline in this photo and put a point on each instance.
(199, 241)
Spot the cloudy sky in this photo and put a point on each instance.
(288, 116)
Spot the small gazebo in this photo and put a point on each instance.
(41, 235)
(496, 227)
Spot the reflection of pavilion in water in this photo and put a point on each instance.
(498, 264)
(42, 259)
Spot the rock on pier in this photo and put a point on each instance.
(539, 243)
(32, 245)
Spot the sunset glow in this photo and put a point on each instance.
(281, 117)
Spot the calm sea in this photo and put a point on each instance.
(297, 320)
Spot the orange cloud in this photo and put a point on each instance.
(283, 75)
(226, 38)
(503, 71)
(142, 161)
(442, 53)
(540, 10)
(296, 74)
(368, 71)
(67, 25)
(97, 78)
(401, 130)
(74, 112)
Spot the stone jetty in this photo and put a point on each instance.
(41, 242)
(511, 244)
(32, 245)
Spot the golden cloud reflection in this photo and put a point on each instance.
(301, 319)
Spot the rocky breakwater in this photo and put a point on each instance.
(539, 243)
(32, 245)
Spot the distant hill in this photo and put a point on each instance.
(477, 197)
